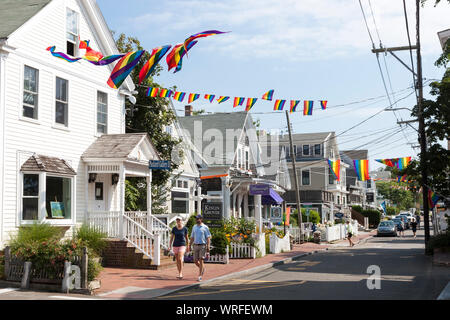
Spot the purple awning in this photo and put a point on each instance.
(272, 199)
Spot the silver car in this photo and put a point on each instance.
(387, 228)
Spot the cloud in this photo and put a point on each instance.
(295, 30)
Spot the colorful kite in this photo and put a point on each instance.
(124, 67)
(250, 103)
(238, 102)
(61, 55)
(268, 96)
(155, 58)
(210, 97)
(324, 104)
(179, 96)
(152, 92)
(223, 99)
(433, 199)
(362, 169)
(279, 105)
(193, 97)
(294, 104)
(308, 108)
(335, 167)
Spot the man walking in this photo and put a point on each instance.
(201, 239)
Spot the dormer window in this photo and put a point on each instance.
(72, 32)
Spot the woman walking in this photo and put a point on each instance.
(178, 244)
(350, 234)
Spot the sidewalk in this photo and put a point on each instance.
(146, 284)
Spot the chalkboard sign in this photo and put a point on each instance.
(212, 211)
(57, 210)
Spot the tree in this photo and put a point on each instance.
(437, 120)
(403, 199)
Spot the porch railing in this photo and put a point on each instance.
(138, 236)
(153, 225)
(107, 222)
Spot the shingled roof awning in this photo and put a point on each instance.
(40, 163)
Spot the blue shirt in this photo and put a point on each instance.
(200, 234)
(179, 236)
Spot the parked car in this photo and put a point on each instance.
(387, 228)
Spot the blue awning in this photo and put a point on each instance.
(273, 198)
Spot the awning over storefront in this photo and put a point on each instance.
(269, 196)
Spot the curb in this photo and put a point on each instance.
(445, 294)
(243, 272)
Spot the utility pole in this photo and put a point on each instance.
(297, 191)
(423, 137)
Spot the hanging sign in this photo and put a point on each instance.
(159, 165)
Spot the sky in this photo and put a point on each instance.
(304, 50)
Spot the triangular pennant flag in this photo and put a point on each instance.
(268, 96)
(250, 103)
(238, 102)
(294, 104)
(193, 97)
(279, 105)
(308, 108)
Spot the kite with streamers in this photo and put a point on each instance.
(238, 102)
(269, 95)
(433, 199)
(155, 58)
(308, 108)
(223, 99)
(250, 103)
(210, 97)
(179, 96)
(61, 55)
(362, 169)
(124, 67)
(335, 167)
(294, 104)
(193, 97)
(279, 105)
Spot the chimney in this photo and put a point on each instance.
(188, 111)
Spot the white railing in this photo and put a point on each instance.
(107, 222)
(242, 251)
(153, 225)
(138, 236)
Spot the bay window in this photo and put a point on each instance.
(30, 197)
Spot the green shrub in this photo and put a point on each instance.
(437, 242)
(314, 217)
(373, 215)
(35, 233)
(392, 211)
(219, 242)
(358, 209)
(94, 269)
(93, 239)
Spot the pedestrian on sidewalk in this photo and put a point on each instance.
(178, 243)
(401, 228)
(201, 240)
(350, 234)
(414, 226)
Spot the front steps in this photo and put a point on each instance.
(120, 254)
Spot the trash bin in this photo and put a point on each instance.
(317, 236)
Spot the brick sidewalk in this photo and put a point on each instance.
(145, 284)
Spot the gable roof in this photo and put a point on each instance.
(114, 146)
(14, 13)
(356, 154)
(40, 163)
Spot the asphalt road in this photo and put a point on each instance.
(340, 273)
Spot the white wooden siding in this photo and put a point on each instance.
(23, 136)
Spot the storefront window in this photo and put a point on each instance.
(58, 198)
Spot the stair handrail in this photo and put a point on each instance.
(138, 236)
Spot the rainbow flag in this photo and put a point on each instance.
(175, 57)
(61, 55)
(268, 96)
(202, 34)
(107, 60)
(402, 163)
(223, 99)
(84, 44)
(335, 167)
(402, 178)
(96, 57)
(279, 105)
(362, 169)
(250, 103)
(165, 93)
(155, 58)
(179, 96)
(193, 97)
(238, 102)
(324, 104)
(294, 104)
(210, 97)
(388, 162)
(308, 108)
(433, 199)
(152, 92)
(124, 67)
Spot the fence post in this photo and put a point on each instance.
(157, 249)
(84, 268)
(26, 276)
(66, 279)
(7, 261)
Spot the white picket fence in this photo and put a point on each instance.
(242, 251)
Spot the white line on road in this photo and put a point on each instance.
(2, 291)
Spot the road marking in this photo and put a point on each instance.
(3, 291)
(70, 298)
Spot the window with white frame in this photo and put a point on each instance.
(62, 106)
(306, 150)
(30, 197)
(180, 202)
(306, 177)
(30, 92)
(317, 150)
(72, 32)
(102, 113)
